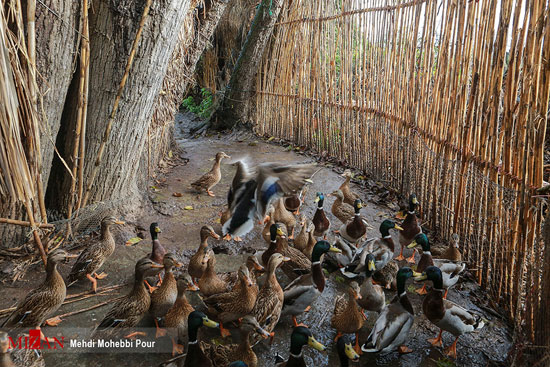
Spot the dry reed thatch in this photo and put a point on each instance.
(19, 140)
(446, 99)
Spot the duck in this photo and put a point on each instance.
(344, 258)
(195, 355)
(298, 262)
(234, 304)
(311, 241)
(211, 178)
(255, 269)
(92, 258)
(300, 241)
(301, 293)
(294, 202)
(42, 301)
(199, 261)
(450, 252)
(165, 296)
(346, 352)
(372, 295)
(349, 196)
(355, 230)
(5, 357)
(128, 311)
(301, 336)
(391, 328)
(224, 215)
(242, 175)
(269, 302)
(211, 283)
(450, 270)
(340, 209)
(347, 318)
(320, 220)
(446, 315)
(281, 215)
(410, 228)
(176, 317)
(18, 357)
(270, 182)
(221, 354)
(157, 254)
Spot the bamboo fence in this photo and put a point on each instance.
(447, 99)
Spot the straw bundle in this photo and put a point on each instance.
(446, 99)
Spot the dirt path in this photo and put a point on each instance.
(181, 235)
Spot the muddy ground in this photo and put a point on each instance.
(181, 235)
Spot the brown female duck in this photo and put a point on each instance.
(5, 357)
(164, 297)
(410, 229)
(298, 261)
(222, 355)
(349, 196)
(254, 268)
(269, 302)
(234, 304)
(128, 311)
(281, 215)
(211, 178)
(320, 220)
(210, 283)
(347, 318)
(198, 262)
(42, 301)
(176, 317)
(92, 258)
(300, 242)
(340, 209)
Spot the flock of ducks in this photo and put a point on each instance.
(252, 297)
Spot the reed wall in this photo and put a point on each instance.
(447, 99)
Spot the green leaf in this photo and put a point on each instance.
(132, 241)
(188, 207)
(339, 279)
(411, 288)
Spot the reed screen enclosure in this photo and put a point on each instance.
(447, 99)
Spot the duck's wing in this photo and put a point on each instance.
(387, 328)
(238, 185)
(242, 216)
(276, 180)
(297, 287)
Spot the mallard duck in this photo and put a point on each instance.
(347, 318)
(199, 261)
(355, 230)
(164, 297)
(211, 283)
(271, 182)
(343, 259)
(221, 354)
(391, 329)
(304, 290)
(346, 352)
(298, 261)
(410, 228)
(211, 178)
(320, 220)
(349, 196)
(450, 252)
(446, 315)
(43, 300)
(255, 269)
(234, 304)
(300, 336)
(128, 311)
(341, 210)
(269, 303)
(93, 257)
(176, 317)
(372, 295)
(450, 270)
(281, 215)
(236, 190)
(157, 254)
(195, 356)
(311, 241)
(294, 202)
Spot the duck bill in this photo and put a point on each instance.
(358, 295)
(372, 266)
(158, 230)
(419, 277)
(193, 288)
(267, 218)
(227, 156)
(317, 199)
(285, 259)
(263, 332)
(178, 265)
(157, 266)
(359, 205)
(350, 353)
(315, 344)
(399, 228)
(248, 281)
(209, 323)
(335, 249)
(415, 201)
(258, 267)
(400, 215)
(280, 233)
(215, 235)
(120, 222)
(71, 256)
(412, 244)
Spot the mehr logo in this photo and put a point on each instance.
(33, 341)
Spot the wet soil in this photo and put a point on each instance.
(180, 234)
